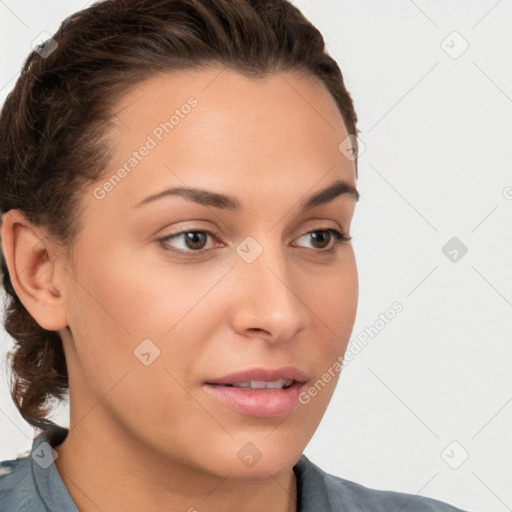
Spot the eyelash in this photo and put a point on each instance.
(339, 238)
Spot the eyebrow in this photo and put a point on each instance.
(222, 201)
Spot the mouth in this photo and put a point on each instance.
(262, 378)
(262, 393)
(259, 384)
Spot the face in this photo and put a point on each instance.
(178, 301)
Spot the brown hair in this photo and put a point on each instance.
(52, 124)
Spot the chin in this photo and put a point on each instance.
(257, 461)
(262, 470)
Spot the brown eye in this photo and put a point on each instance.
(321, 238)
(195, 239)
(191, 241)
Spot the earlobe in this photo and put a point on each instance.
(30, 259)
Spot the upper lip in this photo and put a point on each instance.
(262, 375)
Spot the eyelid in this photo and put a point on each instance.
(340, 237)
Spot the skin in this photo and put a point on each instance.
(150, 437)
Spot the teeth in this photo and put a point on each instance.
(260, 384)
(277, 384)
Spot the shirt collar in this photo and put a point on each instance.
(312, 493)
(48, 482)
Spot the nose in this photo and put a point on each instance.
(267, 301)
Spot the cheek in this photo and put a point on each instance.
(120, 357)
(134, 293)
(334, 309)
(120, 301)
(333, 303)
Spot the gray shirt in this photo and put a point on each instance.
(33, 484)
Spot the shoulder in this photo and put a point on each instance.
(322, 491)
(17, 489)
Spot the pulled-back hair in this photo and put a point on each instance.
(53, 124)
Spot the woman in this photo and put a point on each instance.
(178, 180)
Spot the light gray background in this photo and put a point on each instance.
(437, 127)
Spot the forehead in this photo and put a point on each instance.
(223, 87)
(234, 104)
(216, 127)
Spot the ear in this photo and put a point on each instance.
(31, 259)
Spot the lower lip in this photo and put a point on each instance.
(261, 403)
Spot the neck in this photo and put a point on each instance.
(106, 470)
